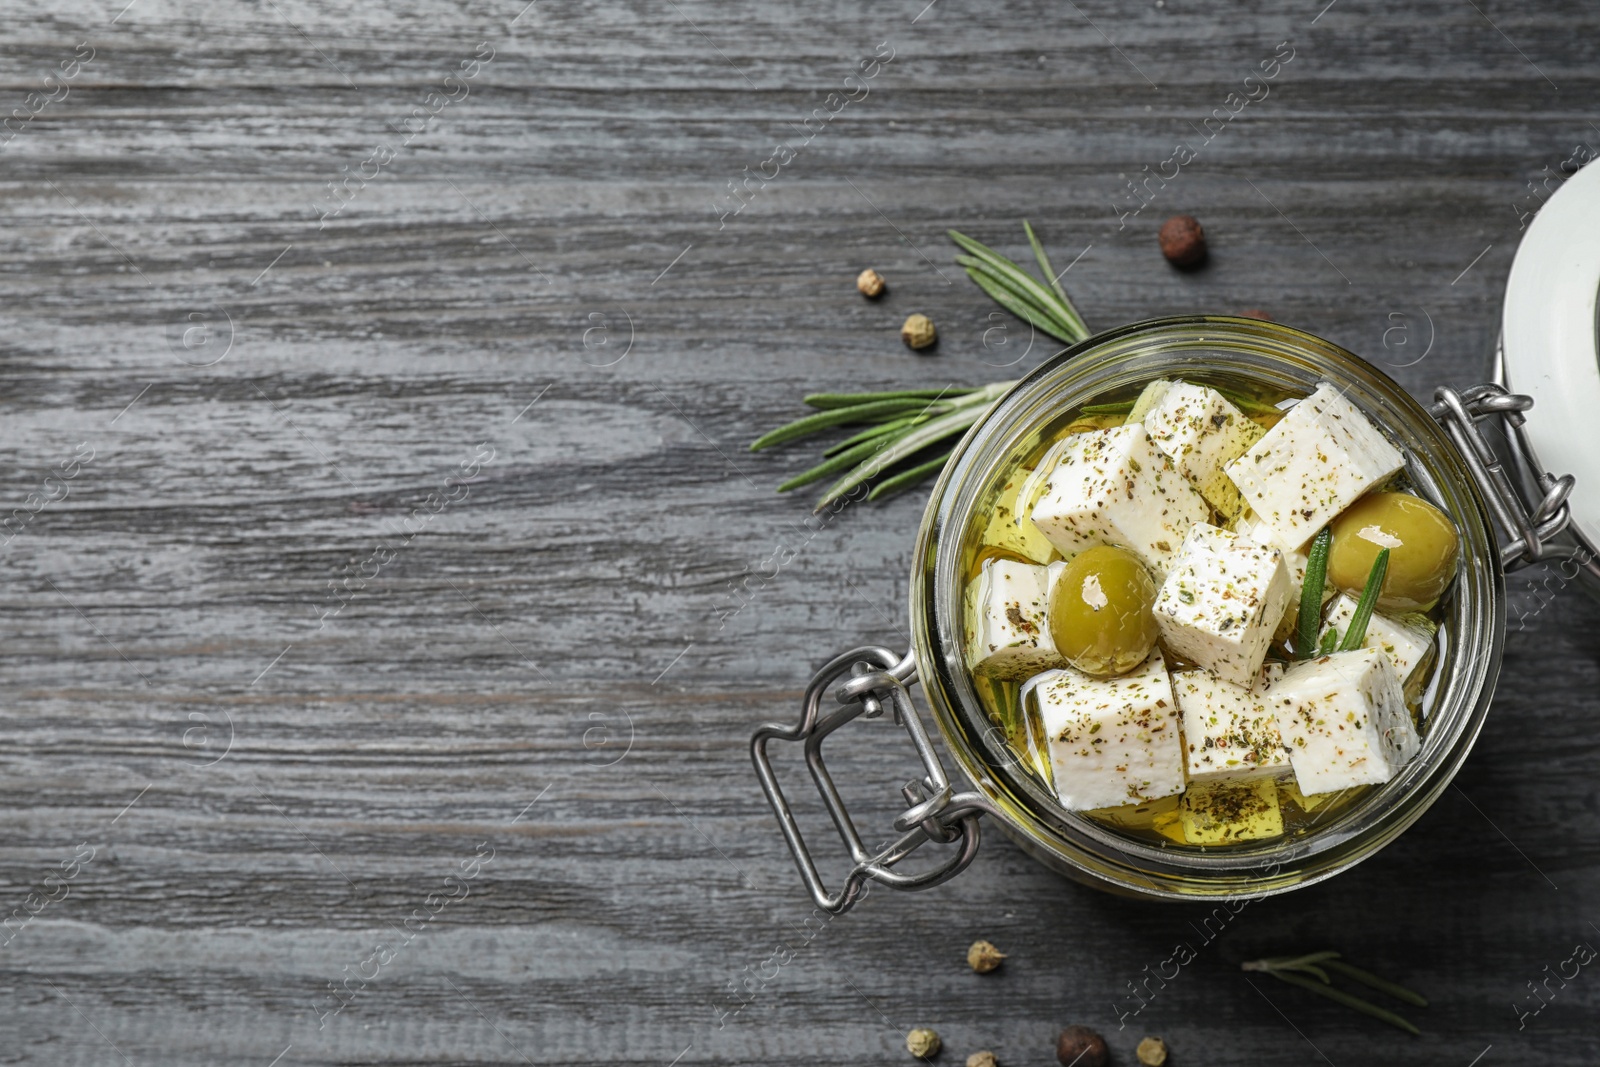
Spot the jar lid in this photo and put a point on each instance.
(1550, 339)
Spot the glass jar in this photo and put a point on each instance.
(1447, 459)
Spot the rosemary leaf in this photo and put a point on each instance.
(1312, 957)
(810, 424)
(1249, 405)
(1279, 962)
(1044, 261)
(1054, 278)
(983, 397)
(918, 438)
(839, 462)
(845, 400)
(1348, 1000)
(1021, 279)
(892, 426)
(1313, 969)
(1330, 641)
(957, 422)
(1367, 978)
(1121, 407)
(1359, 618)
(1311, 595)
(1007, 281)
(1022, 309)
(906, 480)
(1022, 285)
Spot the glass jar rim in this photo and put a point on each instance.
(1200, 347)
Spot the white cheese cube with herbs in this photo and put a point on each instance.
(1007, 616)
(1403, 644)
(1115, 487)
(1344, 721)
(1229, 732)
(1112, 741)
(1010, 530)
(1250, 526)
(1221, 602)
(1312, 465)
(1201, 432)
(1033, 485)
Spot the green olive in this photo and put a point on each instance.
(1100, 617)
(1422, 543)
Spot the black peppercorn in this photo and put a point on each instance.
(1079, 1046)
(1183, 241)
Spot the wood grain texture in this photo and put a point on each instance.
(533, 656)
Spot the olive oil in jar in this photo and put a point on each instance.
(998, 535)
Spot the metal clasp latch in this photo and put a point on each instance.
(1528, 524)
(870, 679)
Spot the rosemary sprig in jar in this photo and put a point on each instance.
(1361, 618)
(1294, 969)
(1306, 644)
(903, 426)
(1305, 641)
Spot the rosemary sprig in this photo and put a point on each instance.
(1367, 978)
(845, 400)
(1119, 407)
(1028, 296)
(1293, 970)
(1022, 309)
(1350, 1000)
(880, 430)
(1249, 405)
(911, 477)
(914, 441)
(872, 411)
(834, 464)
(1287, 962)
(1049, 270)
(1305, 641)
(1357, 631)
(902, 423)
(1050, 310)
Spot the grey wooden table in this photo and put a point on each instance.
(386, 600)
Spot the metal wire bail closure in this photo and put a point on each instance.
(870, 678)
(1528, 524)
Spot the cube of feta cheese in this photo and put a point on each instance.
(1221, 602)
(1312, 465)
(1217, 813)
(1250, 527)
(1201, 432)
(1404, 645)
(1033, 485)
(1115, 487)
(1345, 721)
(1229, 733)
(1007, 616)
(1004, 531)
(1148, 398)
(1112, 741)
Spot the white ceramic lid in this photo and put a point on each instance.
(1550, 337)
